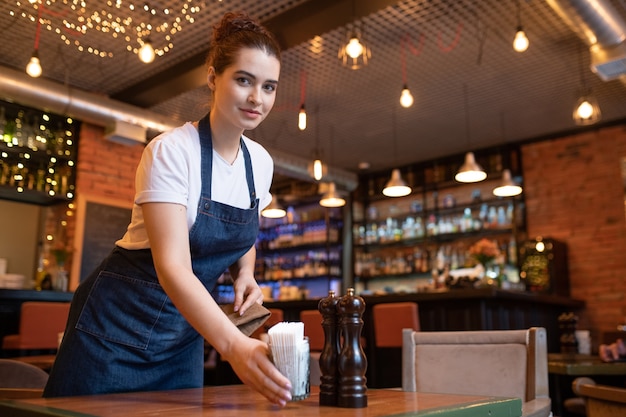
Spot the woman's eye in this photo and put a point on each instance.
(269, 87)
(243, 80)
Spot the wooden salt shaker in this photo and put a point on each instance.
(352, 362)
(328, 358)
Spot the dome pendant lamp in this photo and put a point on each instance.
(507, 188)
(274, 210)
(332, 198)
(470, 171)
(396, 187)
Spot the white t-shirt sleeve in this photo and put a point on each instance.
(163, 174)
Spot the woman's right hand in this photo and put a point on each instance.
(251, 362)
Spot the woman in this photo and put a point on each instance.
(138, 322)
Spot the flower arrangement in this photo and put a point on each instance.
(484, 251)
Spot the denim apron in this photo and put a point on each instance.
(123, 332)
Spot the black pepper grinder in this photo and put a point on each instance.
(329, 383)
(351, 363)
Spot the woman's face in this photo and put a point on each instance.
(245, 92)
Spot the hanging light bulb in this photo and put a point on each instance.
(33, 68)
(396, 187)
(146, 52)
(470, 171)
(354, 49)
(507, 188)
(521, 42)
(406, 98)
(302, 118)
(586, 111)
(318, 169)
(274, 210)
(332, 198)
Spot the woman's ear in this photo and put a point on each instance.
(211, 78)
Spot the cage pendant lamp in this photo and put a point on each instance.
(507, 188)
(274, 210)
(332, 198)
(396, 187)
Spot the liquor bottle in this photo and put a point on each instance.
(352, 362)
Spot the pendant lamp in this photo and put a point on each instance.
(274, 210)
(396, 187)
(507, 188)
(332, 198)
(470, 171)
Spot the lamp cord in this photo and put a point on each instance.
(466, 107)
(38, 31)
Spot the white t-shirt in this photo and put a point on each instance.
(170, 172)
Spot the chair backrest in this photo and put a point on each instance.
(313, 329)
(276, 316)
(389, 320)
(40, 325)
(600, 400)
(508, 363)
(16, 374)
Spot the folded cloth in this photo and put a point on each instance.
(253, 318)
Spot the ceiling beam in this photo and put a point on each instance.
(291, 28)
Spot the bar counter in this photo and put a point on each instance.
(240, 400)
(465, 309)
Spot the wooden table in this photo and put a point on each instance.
(239, 400)
(583, 365)
(564, 368)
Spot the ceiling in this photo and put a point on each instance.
(471, 89)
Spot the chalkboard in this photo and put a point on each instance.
(102, 223)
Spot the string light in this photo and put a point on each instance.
(77, 23)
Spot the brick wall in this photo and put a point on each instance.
(106, 169)
(574, 192)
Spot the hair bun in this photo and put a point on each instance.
(235, 22)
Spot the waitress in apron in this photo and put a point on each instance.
(138, 322)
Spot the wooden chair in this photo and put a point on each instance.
(389, 319)
(40, 325)
(501, 363)
(21, 380)
(600, 400)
